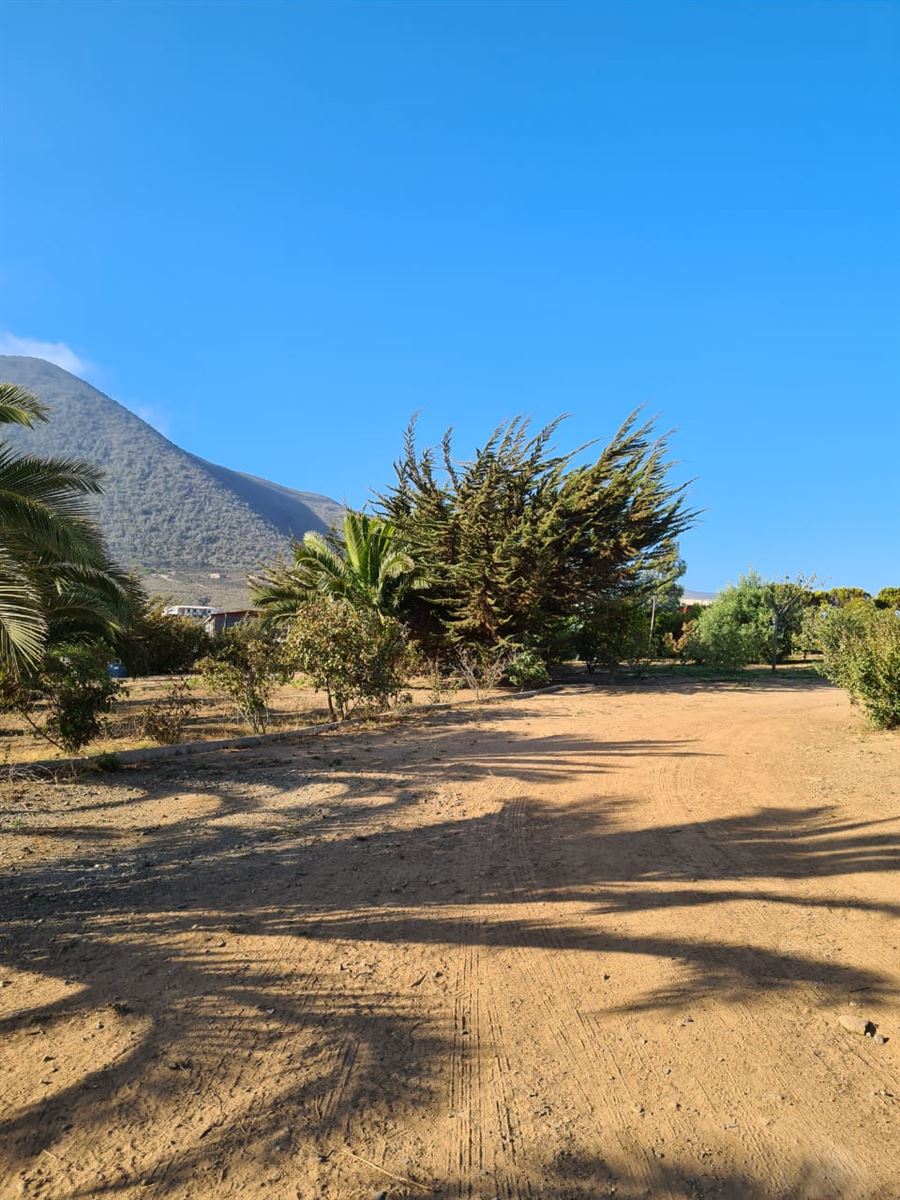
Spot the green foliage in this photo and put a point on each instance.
(353, 654)
(752, 621)
(165, 721)
(861, 653)
(57, 582)
(162, 507)
(67, 698)
(108, 761)
(246, 664)
(520, 536)
(612, 633)
(721, 643)
(160, 644)
(369, 568)
(667, 630)
(806, 640)
(888, 597)
(845, 595)
(527, 670)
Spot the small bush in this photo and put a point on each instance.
(443, 684)
(527, 670)
(861, 653)
(165, 721)
(482, 669)
(614, 633)
(355, 655)
(108, 761)
(247, 663)
(72, 690)
(721, 645)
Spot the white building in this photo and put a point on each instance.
(200, 612)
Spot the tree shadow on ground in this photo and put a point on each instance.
(327, 851)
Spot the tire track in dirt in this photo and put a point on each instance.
(676, 784)
(579, 1038)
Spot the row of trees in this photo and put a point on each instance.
(856, 637)
(482, 569)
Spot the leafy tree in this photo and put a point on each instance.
(520, 536)
(735, 629)
(57, 582)
(353, 653)
(845, 595)
(861, 653)
(163, 644)
(370, 568)
(806, 640)
(888, 597)
(787, 602)
(612, 633)
(246, 664)
(751, 621)
(66, 698)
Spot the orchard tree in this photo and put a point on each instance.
(888, 597)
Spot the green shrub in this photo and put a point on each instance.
(355, 655)
(527, 670)
(861, 653)
(162, 644)
(67, 697)
(108, 761)
(247, 662)
(614, 633)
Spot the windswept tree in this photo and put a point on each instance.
(369, 567)
(57, 582)
(522, 536)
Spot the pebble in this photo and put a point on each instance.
(854, 1023)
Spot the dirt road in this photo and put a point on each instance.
(586, 945)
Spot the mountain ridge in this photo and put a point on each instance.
(163, 509)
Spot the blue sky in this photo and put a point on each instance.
(278, 229)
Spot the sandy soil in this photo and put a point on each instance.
(591, 944)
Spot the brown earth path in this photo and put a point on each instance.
(590, 944)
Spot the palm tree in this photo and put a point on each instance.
(369, 568)
(56, 577)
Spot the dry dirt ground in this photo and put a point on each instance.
(591, 944)
(213, 717)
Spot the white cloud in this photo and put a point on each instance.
(56, 352)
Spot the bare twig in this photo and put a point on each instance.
(389, 1174)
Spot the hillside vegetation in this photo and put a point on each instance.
(163, 509)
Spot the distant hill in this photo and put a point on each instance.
(177, 517)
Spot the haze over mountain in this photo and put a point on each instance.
(165, 510)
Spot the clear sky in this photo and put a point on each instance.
(277, 229)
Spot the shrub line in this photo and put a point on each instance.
(126, 758)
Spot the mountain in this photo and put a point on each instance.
(191, 525)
